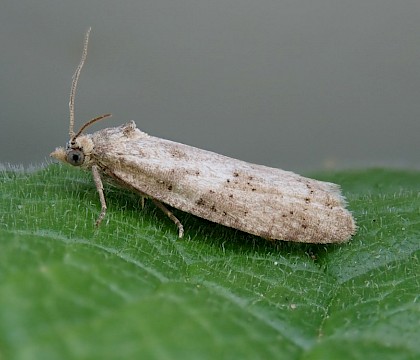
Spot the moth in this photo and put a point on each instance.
(260, 200)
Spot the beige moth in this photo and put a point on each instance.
(260, 200)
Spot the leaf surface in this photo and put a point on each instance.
(131, 289)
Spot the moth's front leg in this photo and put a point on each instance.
(100, 188)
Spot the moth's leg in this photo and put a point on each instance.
(171, 216)
(100, 188)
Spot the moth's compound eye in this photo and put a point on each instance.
(75, 157)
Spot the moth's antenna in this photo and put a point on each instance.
(74, 83)
(90, 122)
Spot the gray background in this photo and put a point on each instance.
(300, 85)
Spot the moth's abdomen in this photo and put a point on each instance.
(276, 215)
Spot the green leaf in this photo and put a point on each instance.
(131, 289)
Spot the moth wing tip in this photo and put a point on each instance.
(349, 228)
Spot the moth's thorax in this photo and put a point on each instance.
(83, 142)
(117, 135)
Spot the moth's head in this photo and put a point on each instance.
(77, 152)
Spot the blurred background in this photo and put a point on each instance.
(301, 85)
